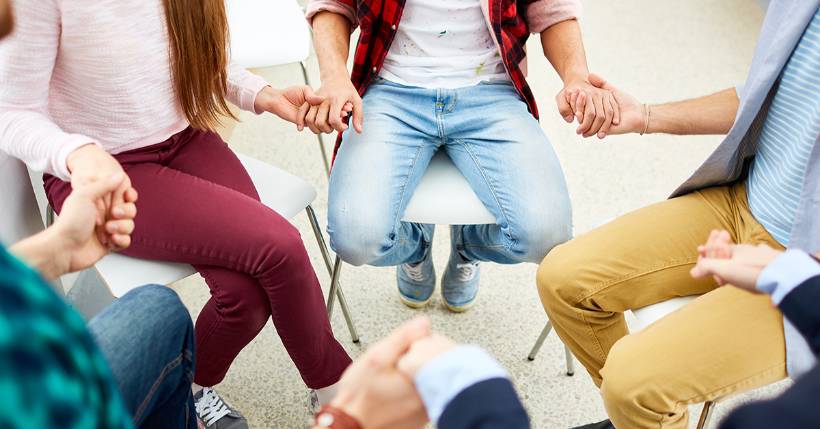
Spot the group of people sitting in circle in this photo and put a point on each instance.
(116, 102)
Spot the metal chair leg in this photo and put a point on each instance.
(706, 414)
(322, 148)
(570, 361)
(49, 216)
(335, 288)
(540, 342)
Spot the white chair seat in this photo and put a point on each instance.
(652, 313)
(444, 197)
(288, 195)
(266, 33)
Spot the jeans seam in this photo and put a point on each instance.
(402, 193)
(478, 165)
(169, 367)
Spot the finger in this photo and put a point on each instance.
(596, 80)
(616, 117)
(600, 117)
(564, 108)
(335, 114)
(589, 115)
(608, 115)
(125, 211)
(322, 118)
(358, 115)
(310, 119)
(577, 100)
(348, 107)
(121, 227)
(386, 353)
(300, 116)
(102, 188)
(131, 195)
(120, 241)
(311, 97)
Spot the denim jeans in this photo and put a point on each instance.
(494, 141)
(147, 339)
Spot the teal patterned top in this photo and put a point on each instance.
(51, 373)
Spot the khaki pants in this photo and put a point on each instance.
(724, 342)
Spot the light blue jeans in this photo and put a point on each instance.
(493, 140)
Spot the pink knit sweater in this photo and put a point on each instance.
(92, 71)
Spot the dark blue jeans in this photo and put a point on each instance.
(147, 339)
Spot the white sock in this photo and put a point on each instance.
(326, 394)
(196, 388)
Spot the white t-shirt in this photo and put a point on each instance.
(443, 44)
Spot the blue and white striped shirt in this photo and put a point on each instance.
(790, 130)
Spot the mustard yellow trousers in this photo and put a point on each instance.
(724, 342)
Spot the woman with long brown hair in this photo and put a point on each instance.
(91, 88)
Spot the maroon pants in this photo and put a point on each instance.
(197, 205)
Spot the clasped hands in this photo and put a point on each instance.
(378, 388)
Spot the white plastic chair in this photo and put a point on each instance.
(267, 33)
(443, 197)
(288, 195)
(19, 216)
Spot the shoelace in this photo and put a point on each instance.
(210, 407)
(416, 273)
(466, 271)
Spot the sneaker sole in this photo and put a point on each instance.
(414, 304)
(457, 308)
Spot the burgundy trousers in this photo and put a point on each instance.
(197, 205)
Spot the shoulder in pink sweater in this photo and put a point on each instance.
(92, 71)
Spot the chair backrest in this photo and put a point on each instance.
(652, 313)
(267, 33)
(19, 216)
(444, 197)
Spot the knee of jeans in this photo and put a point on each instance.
(359, 242)
(281, 248)
(627, 379)
(160, 304)
(558, 277)
(534, 238)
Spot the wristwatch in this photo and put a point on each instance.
(334, 418)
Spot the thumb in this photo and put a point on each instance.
(387, 352)
(600, 82)
(105, 186)
(312, 98)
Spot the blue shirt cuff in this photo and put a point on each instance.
(785, 273)
(443, 378)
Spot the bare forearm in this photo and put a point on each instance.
(43, 253)
(712, 114)
(564, 48)
(331, 35)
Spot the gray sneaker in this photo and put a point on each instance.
(213, 412)
(313, 402)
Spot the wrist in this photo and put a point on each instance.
(77, 156)
(575, 76)
(265, 99)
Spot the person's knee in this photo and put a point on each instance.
(558, 277)
(535, 241)
(359, 239)
(627, 380)
(161, 307)
(281, 248)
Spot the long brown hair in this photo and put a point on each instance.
(198, 32)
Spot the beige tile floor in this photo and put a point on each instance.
(657, 49)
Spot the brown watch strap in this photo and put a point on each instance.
(334, 418)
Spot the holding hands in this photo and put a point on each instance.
(736, 264)
(600, 108)
(319, 112)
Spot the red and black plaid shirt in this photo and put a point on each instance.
(379, 19)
